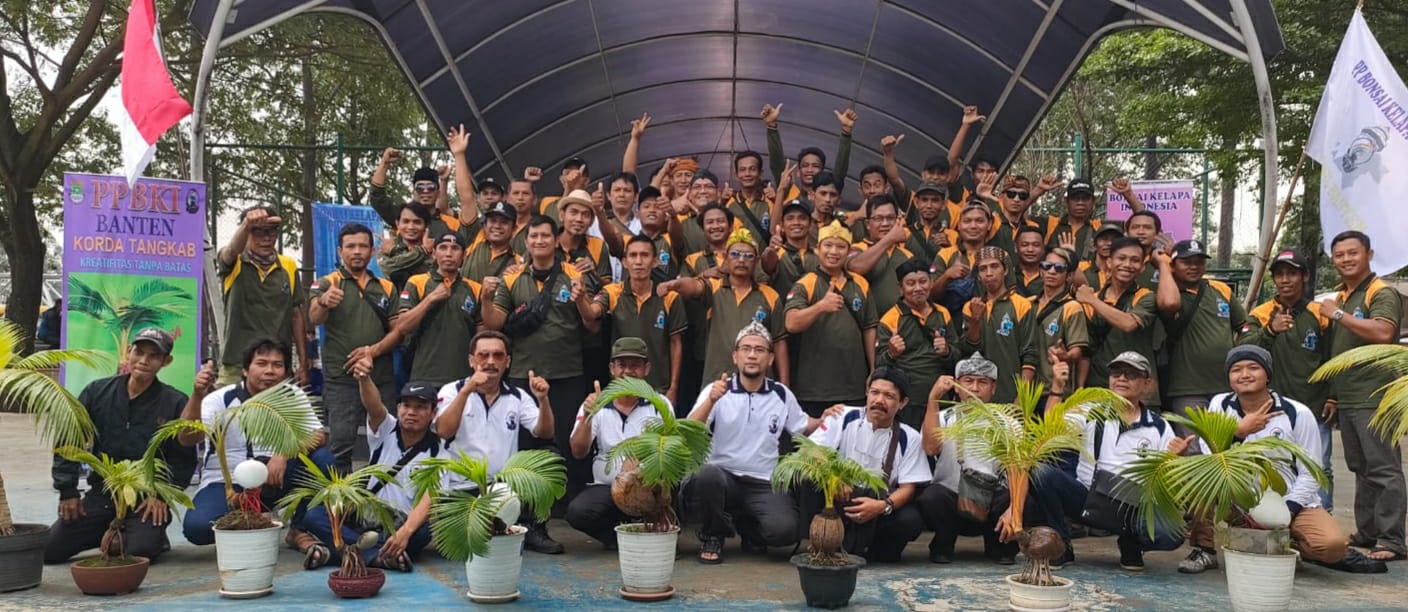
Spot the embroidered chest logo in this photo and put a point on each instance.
(1311, 340)
(1276, 431)
(767, 222)
(1224, 309)
(1358, 313)
(1053, 328)
(511, 422)
(664, 259)
(660, 320)
(1144, 444)
(564, 294)
(1004, 328)
(772, 424)
(856, 304)
(469, 303)
(760, 315)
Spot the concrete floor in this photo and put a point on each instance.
(587, 577)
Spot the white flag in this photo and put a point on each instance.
(1360, 138)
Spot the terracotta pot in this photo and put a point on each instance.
(357, 588)
(111, 579)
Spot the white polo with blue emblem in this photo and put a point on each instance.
(854, 437)
(386, 450)
(488, 432)
(747, 425)
(609, 428)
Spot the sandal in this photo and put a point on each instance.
(1358, 541)
(1393, 555)
(315, 553)
(401, 563)
(711, 546)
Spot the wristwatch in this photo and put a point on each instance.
(1337, 314)
(889, 507)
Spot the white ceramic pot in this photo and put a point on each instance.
(493, 578)
(647, 559)
(246, 558)
(1260, 582)
(1021, 596)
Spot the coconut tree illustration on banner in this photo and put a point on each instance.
(154, 303)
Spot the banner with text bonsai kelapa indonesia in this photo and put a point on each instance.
(132, 260)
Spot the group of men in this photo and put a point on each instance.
(777, 299)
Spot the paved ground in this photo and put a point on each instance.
(587, 577)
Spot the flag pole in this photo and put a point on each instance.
(1264, 251)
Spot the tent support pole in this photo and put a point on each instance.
(213, 294)
(1270, 146)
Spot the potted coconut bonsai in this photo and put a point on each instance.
(127, 483)
(25, 386)
(654, 463)
(827, 572)
(281, 419)
(1233, 484)
(348, 500)
(477, 527)
(1020, 438)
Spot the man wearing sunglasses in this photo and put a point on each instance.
(426, 193)
(1063, 334)
(262, 295)
(1013, 202)
(882, 251)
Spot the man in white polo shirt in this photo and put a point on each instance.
(1261, 413)
(480, 416)
(593, 512)
(879, 524)
(747, 413)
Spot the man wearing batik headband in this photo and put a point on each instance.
(674, 180)
(831, 313)
(1001, 324)
(747, 412)
(734, 301)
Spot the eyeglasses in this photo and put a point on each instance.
(1017, 195)
(1048, 266)
(754, 350)
(1127, 374)
(427, 188)
(264, 233)
(495, 355)
(742, 255)
(884, 218)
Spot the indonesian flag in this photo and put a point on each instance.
(150, 102)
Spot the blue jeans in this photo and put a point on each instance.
(1327, 446)
(316, 522)
(209, 502)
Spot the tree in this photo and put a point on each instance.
(46, 100)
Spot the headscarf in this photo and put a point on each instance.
(686, 164)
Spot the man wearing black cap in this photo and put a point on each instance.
(1077, 225)
(932, 220)
(879, 524)
(262, 294)
(426, 194)
(1095, 272)
(789, 255)
(593, 512)
(1201, 319)
(490, 192)
(1291, 327)
(126, 411)
(492, 252)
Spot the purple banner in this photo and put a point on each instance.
(132, 260)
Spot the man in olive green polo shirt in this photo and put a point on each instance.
(551, 349)
(833, 317)
(877, 257)
(1291, 327)
(1125, 316)
(734, 301)
(408, 252)
(1366, 311)
(637, 312)
(355, 308)
(426, 190)
(440, 312)
(1201, 318)
(491, 252)
(1000, 324)
(1061, 323)
(916, 335)
(263, 297)
(789, 256)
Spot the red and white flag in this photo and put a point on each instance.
(150, 103)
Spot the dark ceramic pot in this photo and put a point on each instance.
(828, 586)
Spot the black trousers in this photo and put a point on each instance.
(594, 513)
(68, 538)
(882, 539)
(939, 507)
(728, 504)
(565, 395)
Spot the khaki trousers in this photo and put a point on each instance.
(1313, 532)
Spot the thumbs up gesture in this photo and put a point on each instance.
(590, 402)
(1281, 321)
(718, 389)
(332, 297)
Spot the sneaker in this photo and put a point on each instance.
(539, 541)
(1077, 530)
(1131, 557)
(1198, 561)
(1065, 559)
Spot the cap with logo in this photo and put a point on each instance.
(1133, 360)
(802, 204)
(158, 337)
(421, 390)
(629, 346)
(931, 187)
(1080, 186)
(1189, 248)
(454, 237)
(1289, 258)
(503, 209)
(490, 183)
(1110, 228)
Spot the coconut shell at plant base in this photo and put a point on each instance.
(634, 498)
(827, 532)
(116, 577)
(827, 586)
(367, 585)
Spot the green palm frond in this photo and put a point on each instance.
(462, 523)
(279, 418)
(84, 299)
(824, 468)
(128, 482)
(61, 419)
(157, 292)
(428, 479)
(537, 477)
(1020, 437)
(1391, 418)
(342, 495)
(1389, 357)
(668, 449)
(44, 360)
(634, 387)
(1213, 484)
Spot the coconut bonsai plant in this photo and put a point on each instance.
(1227, 485)
(1020, 438)
(281, 419)
(654, 463)
(345, 498)
(477, 527)
(127, 482)
(25, 386)
(827, 573)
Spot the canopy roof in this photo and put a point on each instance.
(540, 81)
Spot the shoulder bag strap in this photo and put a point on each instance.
(888, 466)
(401, 464)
